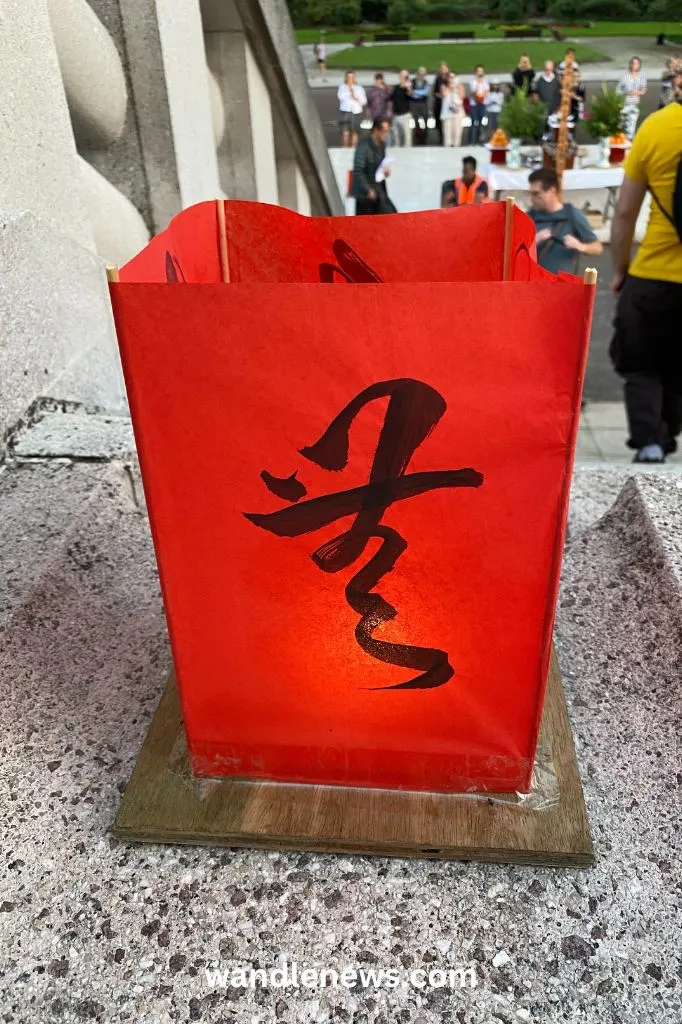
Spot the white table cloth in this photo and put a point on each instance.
(500, 179)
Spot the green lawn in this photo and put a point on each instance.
(432, 30)
(626, 28)
(462, 57)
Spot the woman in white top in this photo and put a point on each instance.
(633, 87)
(494, 104)
(478, 94)
(452, 111)
(352, 102)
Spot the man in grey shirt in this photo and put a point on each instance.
(548, 87)
(562, 231)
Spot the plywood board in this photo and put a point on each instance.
(164, 803)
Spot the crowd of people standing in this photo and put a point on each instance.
(475, 100)
(645, 349)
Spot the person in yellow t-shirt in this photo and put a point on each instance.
(646, 349)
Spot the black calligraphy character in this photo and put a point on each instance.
(414, 409)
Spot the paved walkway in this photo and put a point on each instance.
(619, 49)
(603, 435)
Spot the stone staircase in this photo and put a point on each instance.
(83, 659)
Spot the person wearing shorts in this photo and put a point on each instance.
(321, 58)
(352, 102)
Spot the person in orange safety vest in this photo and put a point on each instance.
(465, 191)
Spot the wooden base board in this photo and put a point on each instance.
(164, 803)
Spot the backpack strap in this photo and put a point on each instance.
(662, 208)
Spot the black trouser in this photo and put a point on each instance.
(437, 104)
(420, 112)
(366, 206)
(646, 351)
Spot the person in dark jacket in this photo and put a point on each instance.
(371, 195)
(523, 75)
(548, 87)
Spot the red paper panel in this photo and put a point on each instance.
(450, 509)
(272, 244)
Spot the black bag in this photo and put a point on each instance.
(675, 217)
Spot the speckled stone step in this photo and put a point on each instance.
(596, 489)
(39, 503)
(75, 435)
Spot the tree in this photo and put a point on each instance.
(665, 10)
(320, 12)
(347, 12)
(566, 10)
(399, 13)
(511, 11)
(373, 10)
(612, 9)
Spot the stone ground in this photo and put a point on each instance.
(94, 929)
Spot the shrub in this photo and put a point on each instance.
(399, 13)
(523, 118)
(606, 113)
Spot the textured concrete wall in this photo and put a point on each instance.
(56, 336)
(37, 152)
(226, 56)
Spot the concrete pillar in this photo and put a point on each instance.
(217, 109)
(226, 56)
(189, 99)
(166, 157)
(262, 133)
(303, 201)
(286, 182)
(246, 156)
